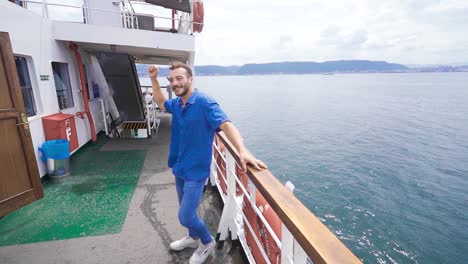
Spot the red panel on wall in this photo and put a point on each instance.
(61, 126)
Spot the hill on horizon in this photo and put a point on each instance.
(294, 67)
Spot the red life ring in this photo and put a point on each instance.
(221, 168)
(253, 220)
(242, 176)
(269, 245)
(198, 15)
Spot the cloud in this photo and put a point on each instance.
(245, 31)
(283, 42)
(333, 36)
(407, 31)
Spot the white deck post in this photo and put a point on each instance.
(300, 257)
(214, 172)
(226, 222)
(231, 186)
(287, 242)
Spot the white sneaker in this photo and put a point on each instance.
(183, 243)
(202, 252)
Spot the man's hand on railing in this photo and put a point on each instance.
(233, 135)
(247, 158)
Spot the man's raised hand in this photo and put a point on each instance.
(153, 72)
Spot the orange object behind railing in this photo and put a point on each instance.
(198, 15)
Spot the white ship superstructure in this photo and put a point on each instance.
(41, 34)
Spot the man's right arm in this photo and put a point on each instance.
(157, 92)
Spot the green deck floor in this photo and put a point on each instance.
(93, 201)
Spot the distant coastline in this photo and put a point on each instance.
(327, 68)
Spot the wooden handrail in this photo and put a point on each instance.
(319, 243)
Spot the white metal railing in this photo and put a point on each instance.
(127, 12)
(150, 89)
(129, 20)
(301, 237)
(151, 111)
(233, 210)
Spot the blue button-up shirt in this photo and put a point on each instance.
(193, 129)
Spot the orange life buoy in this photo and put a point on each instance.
(243, 178)
(198, 15)
(249, 236)
(221, 168)
(269, 245)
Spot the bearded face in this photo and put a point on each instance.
(181, 89)
(179, 81)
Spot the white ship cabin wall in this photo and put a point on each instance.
(31, 39)
(95, 15)
(42, 41)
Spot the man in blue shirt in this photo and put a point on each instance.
(195, 119)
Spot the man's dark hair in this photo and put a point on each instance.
(178, 64)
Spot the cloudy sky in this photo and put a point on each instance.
(411, 32)
(404, 31)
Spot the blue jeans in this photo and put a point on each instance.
(189, 193)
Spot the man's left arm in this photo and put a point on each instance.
(232, 133)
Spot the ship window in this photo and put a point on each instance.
(62, 85)
(26, 87)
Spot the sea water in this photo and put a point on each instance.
(381, 159)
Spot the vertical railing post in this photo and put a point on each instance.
(191, 16)
(45, 12)
(291, 251)
(227, 221)
(214, 177)
(231, 190)
(132, 22)
(122, 13)
(287, 242)
(213, 171)
(300, 257)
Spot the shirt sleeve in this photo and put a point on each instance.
(214, 114)
(168, 104)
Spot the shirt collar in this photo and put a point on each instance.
(192, 97)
